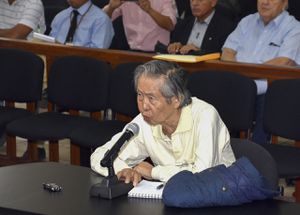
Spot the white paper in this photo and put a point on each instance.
(43, 37)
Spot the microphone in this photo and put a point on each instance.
(131, 130)
(110, 187)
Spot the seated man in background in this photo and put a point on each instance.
(204, 33)
(18, 18)
(270, 36)
(176, 131)
(91, 26)
(145, 21)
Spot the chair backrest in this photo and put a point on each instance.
(21, 76)
(122, 95)
(232, 94)
(259, 157)
(79, 83)
(282, 109)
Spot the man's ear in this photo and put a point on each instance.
(176, 102)
(213, 3)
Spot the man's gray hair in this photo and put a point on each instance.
(175, 79)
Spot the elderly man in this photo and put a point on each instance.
(204, 33)
(270, 36)
(82, 24)
(176, 131)
(18, 18)
(145, 21)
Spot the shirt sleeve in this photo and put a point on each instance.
(131, 154)
(213, 148)
(33, 13)
(102, 34)
(234, 39)
(290, 45)
(117, 12)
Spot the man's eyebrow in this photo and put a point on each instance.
(145, 93)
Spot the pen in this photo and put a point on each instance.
(273, 44)
(160, 186)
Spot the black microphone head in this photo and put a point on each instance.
(133, 127)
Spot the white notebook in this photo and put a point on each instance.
(147, 189)
(43, 37)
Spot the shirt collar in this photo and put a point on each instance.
(208, 19)
(83, 9)
(185, 123)
(276, 21)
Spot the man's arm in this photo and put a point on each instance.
(161, 20)
(111, 6)
(228, 54)
(281, 61)
(19, 31)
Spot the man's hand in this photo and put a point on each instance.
(145, 5)
(174, 48)
(113, 4)
(144, 169)
(129, 175)
(187, 48)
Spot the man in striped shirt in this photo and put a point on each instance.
(18, 18)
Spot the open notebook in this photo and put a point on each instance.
(187, 58)
(147, 189)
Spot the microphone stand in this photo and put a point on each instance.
(110, 187)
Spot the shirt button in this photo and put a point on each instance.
(224, 189)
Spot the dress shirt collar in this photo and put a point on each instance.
(185, 123)
(276, 21)
(83, 9)
(207, 20)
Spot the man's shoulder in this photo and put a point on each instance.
(251, 18)
(63, 13)
(185, 21)
(200, 105)
(201, 108)
(33, 3)
(98, 11)
(290, 21)
(221, 20)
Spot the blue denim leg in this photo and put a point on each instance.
(259, 135)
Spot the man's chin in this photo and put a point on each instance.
(149, 121)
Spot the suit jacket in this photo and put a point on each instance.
(216, 34)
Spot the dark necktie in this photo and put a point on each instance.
(72, 28)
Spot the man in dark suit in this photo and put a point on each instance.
(203, 33)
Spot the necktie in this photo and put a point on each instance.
(73, 26)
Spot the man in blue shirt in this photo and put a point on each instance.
(93, 27)
(270, 36)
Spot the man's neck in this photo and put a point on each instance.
(202, 18)
(170, 126)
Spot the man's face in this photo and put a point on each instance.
(152, 105)
(202, 8)
(270, 9)
(76, 3)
